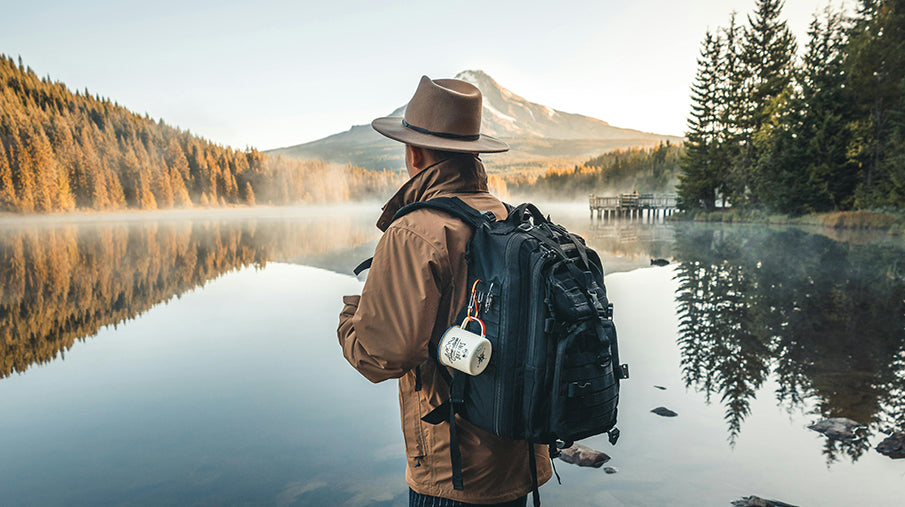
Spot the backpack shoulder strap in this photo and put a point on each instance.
(452, 205)
(365, 264)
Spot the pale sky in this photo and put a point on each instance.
(277, 73)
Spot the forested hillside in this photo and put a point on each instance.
(61, 150)
(822, 132)
(647, 170)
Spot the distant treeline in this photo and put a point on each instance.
(61, 150)
(642, 169)
(822, 132)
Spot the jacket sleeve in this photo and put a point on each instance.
(386, 331)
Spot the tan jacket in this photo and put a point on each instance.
(414, 290)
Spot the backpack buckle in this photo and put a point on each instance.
(604, 361)
(575, 388)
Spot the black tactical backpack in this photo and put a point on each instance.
(554, 369)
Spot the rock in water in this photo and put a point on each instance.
(659, 262)
(611, 470)
(756, 501)
(583, 456)
(837, 428)
(893, 446)
(665, 412)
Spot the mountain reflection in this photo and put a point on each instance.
(59, 284)
(825, 317)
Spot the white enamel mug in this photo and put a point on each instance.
(463, 350)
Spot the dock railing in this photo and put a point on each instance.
(632, 205)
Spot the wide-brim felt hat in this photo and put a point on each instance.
(444, 114)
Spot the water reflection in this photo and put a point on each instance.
(627, 238)
(238, 391)
(60, 284)
(826, 317)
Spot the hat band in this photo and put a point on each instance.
(440, 134)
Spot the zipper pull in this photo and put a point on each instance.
(489, 300)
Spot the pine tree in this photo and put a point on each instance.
(45, 169)
(249, 194)
(23, 175)
(180, 192)
(876, 77)
(129, 175)
(782, 179)
(733, 103)
(768, 55)
(698, 183)
(7, 189)
(825, 105)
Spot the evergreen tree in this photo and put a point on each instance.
(823, 132)
(129, 176)
(782, 179)
(733, 103)
(23, 175)
(700, 178)
(768, 56)
(7, 189)
(249, 194)
(876, 77)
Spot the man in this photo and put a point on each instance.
(415, 288)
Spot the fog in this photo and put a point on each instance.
(215, 213)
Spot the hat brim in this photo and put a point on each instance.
(393, 128)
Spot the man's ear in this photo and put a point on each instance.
(418, 157)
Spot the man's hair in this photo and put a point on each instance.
(443, 155)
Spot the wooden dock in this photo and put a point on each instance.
(633, 205)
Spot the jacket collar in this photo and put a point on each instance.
(459, 174)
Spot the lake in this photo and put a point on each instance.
(191, 358)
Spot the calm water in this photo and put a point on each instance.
(167, 360)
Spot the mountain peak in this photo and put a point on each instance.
(509, 115)
(473, 76)
(533, 130)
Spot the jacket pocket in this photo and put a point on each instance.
(412, 431)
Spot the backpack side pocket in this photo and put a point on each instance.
(585, 391)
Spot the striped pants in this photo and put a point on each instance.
(419, 500)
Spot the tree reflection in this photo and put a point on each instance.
(62, 284)
(825, 317)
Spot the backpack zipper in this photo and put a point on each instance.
(532, 319)
(497, 406)
(532, 314)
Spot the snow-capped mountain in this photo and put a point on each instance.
(507, 115)
(534, 132)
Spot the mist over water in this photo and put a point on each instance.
(186, 358)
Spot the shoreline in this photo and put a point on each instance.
(865, 220)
